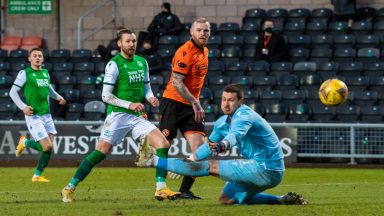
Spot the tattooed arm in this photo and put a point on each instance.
(178, 84)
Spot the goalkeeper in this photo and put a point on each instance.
(262, 167)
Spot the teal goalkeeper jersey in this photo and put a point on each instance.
(129, 85)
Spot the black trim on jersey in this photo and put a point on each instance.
(146, 82)
(17, 85)
(197, 46)
(111, 84)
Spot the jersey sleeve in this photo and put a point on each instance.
(111, 73)
(216, 134)
(240, 125)
(21, 79)
(181, 62)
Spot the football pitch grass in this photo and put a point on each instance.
(129, 191)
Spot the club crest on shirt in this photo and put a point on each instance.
(140, 64)
(165, 132)
(181, 65)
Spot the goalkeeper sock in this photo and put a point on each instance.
(181, 167)
(43, 162)
(263, 198)
(33, 145)
(86, 166)
(161, 174)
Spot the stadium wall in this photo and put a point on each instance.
(137, 15)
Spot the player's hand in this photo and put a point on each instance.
(137, 107)
(62, 101)
(28, 111)
(217, 148)
(154, 101)
(199, 111)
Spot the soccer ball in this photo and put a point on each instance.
(333, 92)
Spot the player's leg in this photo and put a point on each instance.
(115, 127)
(157, 140)
(195, 140)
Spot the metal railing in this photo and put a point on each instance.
(80, 22)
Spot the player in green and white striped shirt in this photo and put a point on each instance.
(125, 86)
(36, 86)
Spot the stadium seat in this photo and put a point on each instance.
(81, 55)
(18, 55)
(367, 41)
(229, 41)
(157, 81)
(231, 54)
(250, 95)
(65, 82)
(299, 41)
(59, 55)
(322, 113)
(251, 41)
(350, 69)
(206, 96)
(64, 68)
(249, 55)
(294, 28)
(214, 42)
(184, 38)
(378, 27)
(276, 112)
(254, 15)
(373, 70)
(245, 81)
(344, 54)
(4, 95)
(380, 15)
(278, 15)
(365, 98)
(270, 96)
(321, 54)
(368, 55)
(30, 42)
(264, 82)
(344, 41)
(327, 70)
(86, 83)
(377, 83)
(74, 111)
(99, 68)
(94, 111)
(215, 68)
(298, 54)
(12, 40)
(299, 113)
(348, 113)
(211, 112)
(310, 82)
(315, 28)
(228, 28)
(218, 81)
(92, 95)
(7, 110)
(71, 95)
(257, 107)
(235, 68)
(298, 15)
(258, 68)
(357, 83)
(361, 27)
(83, 68)
(287, 82)
(5, 82)
(337, 28)
(9, 47)
(294, 96)
(280, 68)
(322, 15)
(16, 67)
(168, 41)
(214, 53)
(166, 54)
(4, 68)
(3, 55)
(366, 13)
(372, 114)
(249, 28)
(321, 41)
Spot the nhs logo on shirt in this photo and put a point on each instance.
(42, 82)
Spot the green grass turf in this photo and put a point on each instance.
(129, 191)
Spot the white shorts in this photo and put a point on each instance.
(40, 126)
(118, 124)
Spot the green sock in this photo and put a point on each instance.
(86, 166)
(43, 162)
(33, 145)
(161, 174)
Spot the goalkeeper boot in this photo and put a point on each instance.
(293, 199)
(189, 195)
(40, 179)
(145, 156)
(20, 146)
(166, 193)
(66, 194)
